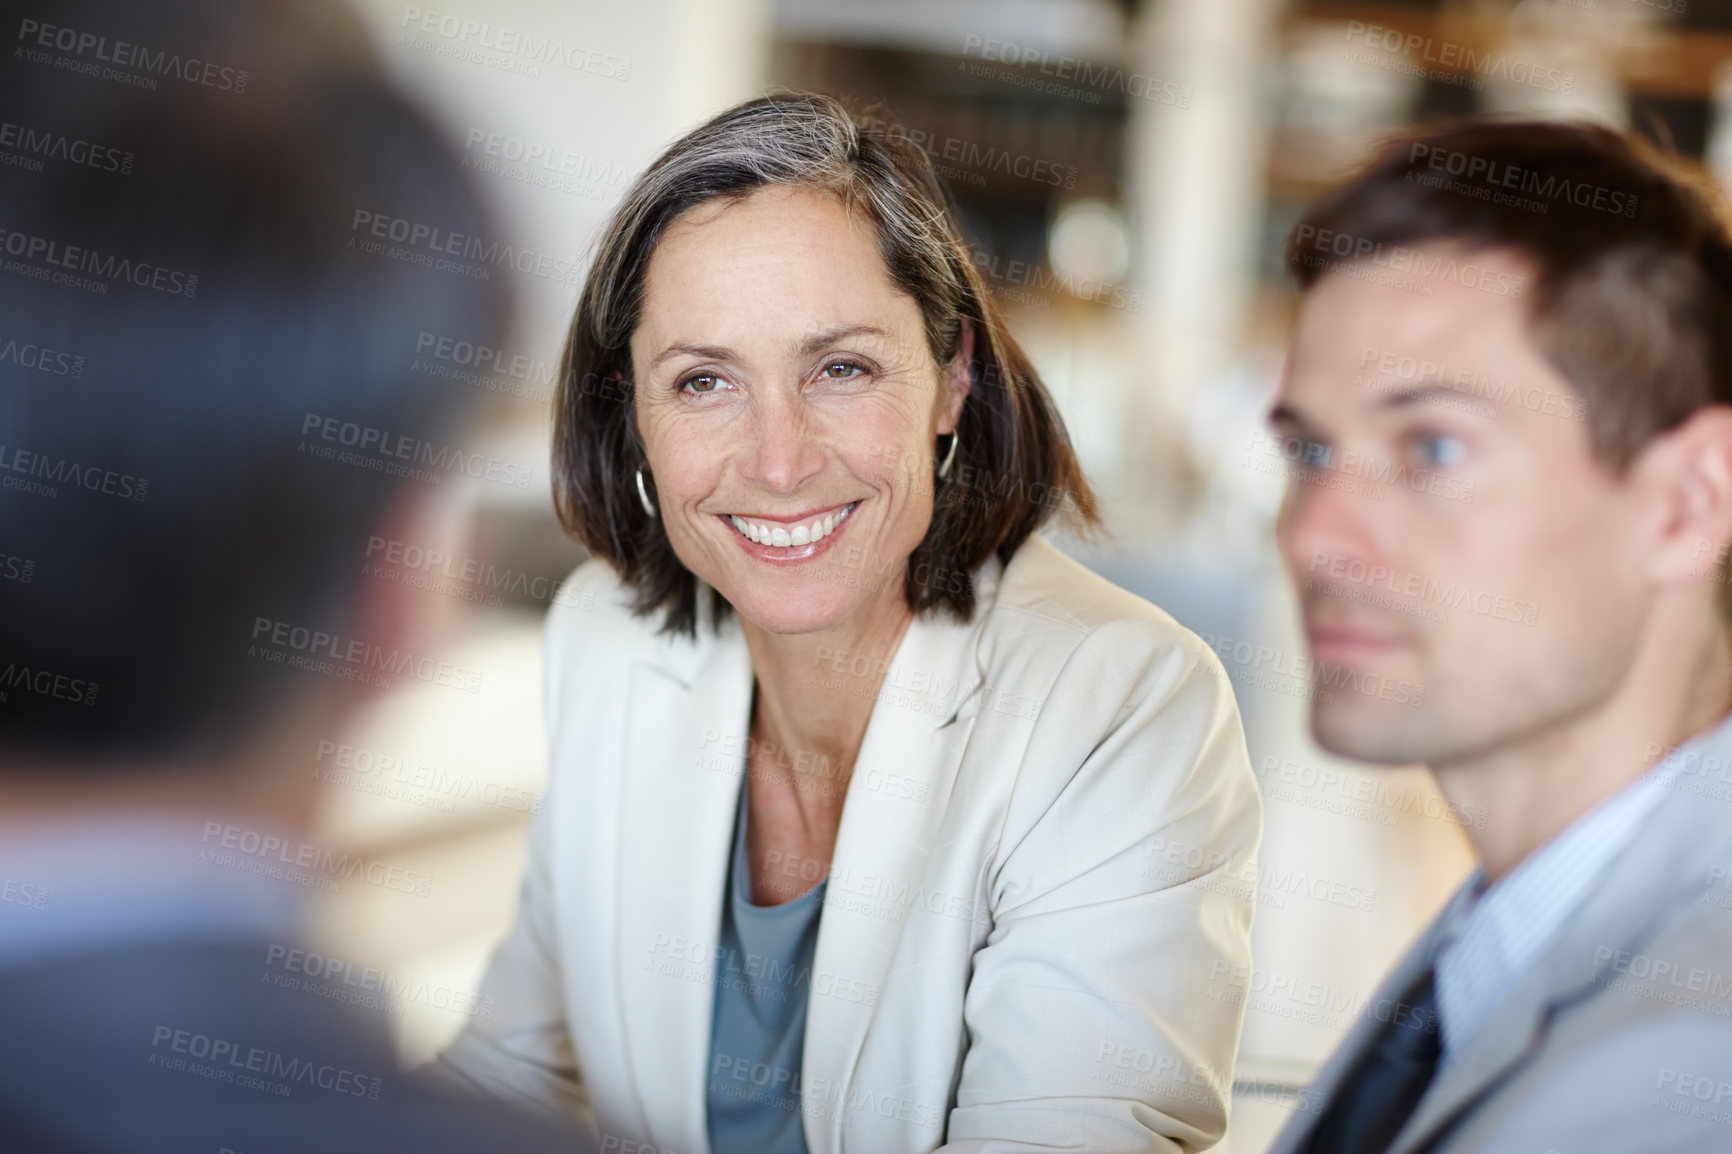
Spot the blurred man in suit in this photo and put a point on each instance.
(1509, 407)
(205, 412)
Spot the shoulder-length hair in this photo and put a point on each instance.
(1014, 463)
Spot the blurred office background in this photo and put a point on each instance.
(1127, 170)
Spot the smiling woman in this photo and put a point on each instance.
(873, 821)
(849, 247)
(805, 416)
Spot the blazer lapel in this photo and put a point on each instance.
(917, 734)
(685, 752)
(1665, 865)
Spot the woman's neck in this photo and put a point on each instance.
(810, 707)
(815, 691)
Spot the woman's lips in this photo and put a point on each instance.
(798, 542)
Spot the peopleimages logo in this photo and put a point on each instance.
(268, 855)
(16, 678)
(1326, 250)
(105, 268)
(1068, 70)
(526, 50)
(432, 246)
(323, 976)
(373, 446)
(35, 37)
(1396, 370)
(48, 472)
(470, 362)
(254, 1067)
(277, 640)
(42, 359)
(366, 771)
(1239, 654)
(1534, 182)
(1458, 63)
(30, 146)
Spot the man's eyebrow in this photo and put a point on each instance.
(1420, 394)
(705, 352)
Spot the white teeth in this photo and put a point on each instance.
(781, 537)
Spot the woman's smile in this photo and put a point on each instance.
(790, 539)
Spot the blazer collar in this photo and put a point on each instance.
(1663, 869)
(1658, 875)
(684, 748)
(688, 714)
(896, 802)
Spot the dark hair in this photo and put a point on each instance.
(1014, 464)
(186, 313)
(1633, 301)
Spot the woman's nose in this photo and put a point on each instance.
(784, 450)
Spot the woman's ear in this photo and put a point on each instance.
(958, 380)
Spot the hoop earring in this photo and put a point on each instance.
(949, 456)
(649, 506)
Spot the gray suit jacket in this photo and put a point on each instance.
(182, 1049)
(1619, 1041)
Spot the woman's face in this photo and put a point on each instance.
(785, 392)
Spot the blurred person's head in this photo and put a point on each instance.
(1506, 398)
(785, 336)
(205, 392)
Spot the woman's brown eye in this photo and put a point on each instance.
(846, 369)
(708, 384)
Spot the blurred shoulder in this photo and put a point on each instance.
(1053, 622)
(1042, 585)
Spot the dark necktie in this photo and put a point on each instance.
(1379, 1093)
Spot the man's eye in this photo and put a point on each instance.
(1440, 450)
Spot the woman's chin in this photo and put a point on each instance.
(782, 611)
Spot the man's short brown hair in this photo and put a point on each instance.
(1014, 465)
(1633, 267)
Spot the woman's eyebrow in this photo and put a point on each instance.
(705, 352)
(826, 337)
(812, 344)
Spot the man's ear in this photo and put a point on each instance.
(1691, 470)
(958, 380)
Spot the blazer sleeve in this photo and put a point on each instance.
(1122, 889)
(518, 1048)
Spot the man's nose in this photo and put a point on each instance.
(1328, 526)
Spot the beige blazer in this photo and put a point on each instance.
(1043, 856)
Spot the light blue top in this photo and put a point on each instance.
(763, 974)
(1492, 935)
